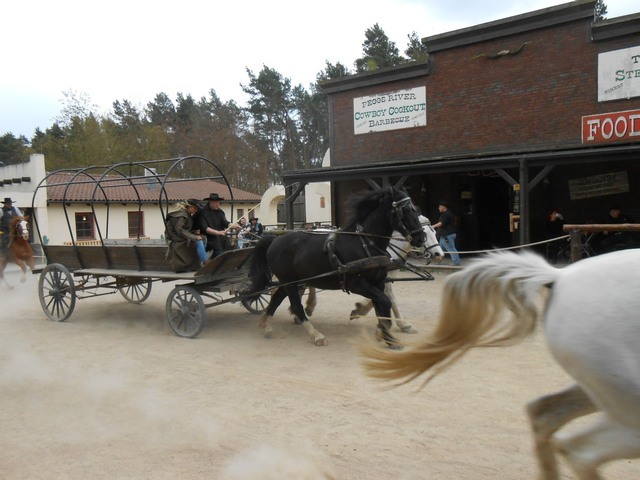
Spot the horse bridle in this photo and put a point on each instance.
(429, 247)
(398, 206)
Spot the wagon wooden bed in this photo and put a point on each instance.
(86, 269)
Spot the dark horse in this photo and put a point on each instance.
(318, 259)
(19, 250)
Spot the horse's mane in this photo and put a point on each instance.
(362, 204)
(15, 220)
(12, 226)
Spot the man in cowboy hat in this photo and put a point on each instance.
(9, 212)
(446, 228)
(214, 224)
(255, 229)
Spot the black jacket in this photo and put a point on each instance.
(217, 220)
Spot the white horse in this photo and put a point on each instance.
(592, 329)
(398, 250)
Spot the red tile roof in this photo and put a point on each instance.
(120, 189)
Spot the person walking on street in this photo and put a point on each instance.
(446, 229)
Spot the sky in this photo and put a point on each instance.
(134, 49)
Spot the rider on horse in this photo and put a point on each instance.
(9, 212)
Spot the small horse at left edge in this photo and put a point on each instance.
(317, 259)
(18, 250)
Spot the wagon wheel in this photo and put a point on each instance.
(185, 311)
(257, 303)
(136, 291)
(57, 292)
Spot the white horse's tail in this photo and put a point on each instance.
(473, 301)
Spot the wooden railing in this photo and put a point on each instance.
(98, 243)
(581, 235)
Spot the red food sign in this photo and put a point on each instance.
(611, 127)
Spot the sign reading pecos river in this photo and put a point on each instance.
(390, 111)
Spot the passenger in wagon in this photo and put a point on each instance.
(186, 248)
(255, 230)
(214, 224)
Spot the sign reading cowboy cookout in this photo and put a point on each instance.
(390, 111)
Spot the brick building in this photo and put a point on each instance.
(506, 120)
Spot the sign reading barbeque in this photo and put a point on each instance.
(390, 111)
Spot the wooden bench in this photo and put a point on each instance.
(127, 254)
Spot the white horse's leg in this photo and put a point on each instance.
(547, 415)
(361, 309)
(310, 305)
(597, 443)
(312, 301)
(403, 325)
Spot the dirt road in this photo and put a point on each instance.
(114, 394)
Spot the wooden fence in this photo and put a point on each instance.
(581, 236)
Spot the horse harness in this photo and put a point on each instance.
(365, 239)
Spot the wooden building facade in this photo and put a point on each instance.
(505, 120)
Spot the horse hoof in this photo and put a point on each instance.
(354, 315)
(395, 346)
(267, 332)
(409, 329)
(297, 321)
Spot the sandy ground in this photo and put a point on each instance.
(114, 394)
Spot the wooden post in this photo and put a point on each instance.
(576, 245)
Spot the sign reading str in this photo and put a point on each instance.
(619, 74)
(390, 111)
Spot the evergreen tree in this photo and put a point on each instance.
(600, 10)
(13, 149)
(378, 51)
(416, 50)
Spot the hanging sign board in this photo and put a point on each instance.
(599, 185)
(619, 74)
(390, 111)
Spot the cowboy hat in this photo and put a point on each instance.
(214, 196)
(7, 200)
